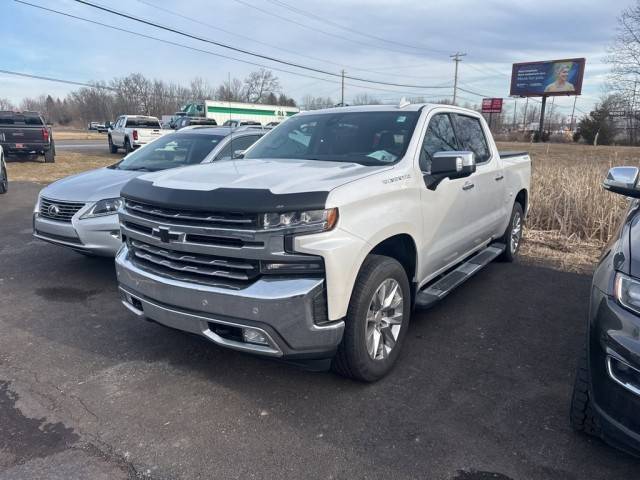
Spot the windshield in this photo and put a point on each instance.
(368, 138)
(171, 151)
(143, 122)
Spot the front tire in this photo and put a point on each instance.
(512, 237)
(377, 320)
(583, 416)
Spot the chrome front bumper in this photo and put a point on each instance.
(281, 308)
(100, 235)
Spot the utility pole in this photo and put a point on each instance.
(457, 57)
(524, 119)
(573, 112)
(633, 113)
(515, 109)
(342, 91)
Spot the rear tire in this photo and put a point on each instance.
(127, 146)
(50, 155)
(512, 237)
(4, 179)
(583, 416)
(381, 281)
(112, 148)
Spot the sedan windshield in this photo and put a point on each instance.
(368, 138)
(170, 151)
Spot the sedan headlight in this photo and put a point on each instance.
(108, 206)
(308, 221)
(627, 292)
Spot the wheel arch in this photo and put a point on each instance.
(522, 197)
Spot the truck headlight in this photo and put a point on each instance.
(108, 206)
(308, 221)
(627, 292)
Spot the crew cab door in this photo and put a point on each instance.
(450, 209)
(117, 134)
(488, 180)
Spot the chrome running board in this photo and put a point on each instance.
(436, 291)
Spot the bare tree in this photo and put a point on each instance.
(202, 90)
(365, 99)
(309, 102)
(259, 84)
(230, 91)
(6, 104)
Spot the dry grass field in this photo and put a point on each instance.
(78, 135)
(571, 216)
(67, 163)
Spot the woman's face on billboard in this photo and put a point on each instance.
(563, 74)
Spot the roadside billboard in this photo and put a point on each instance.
(552, 77)
(491, 105)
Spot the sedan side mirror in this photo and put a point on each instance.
(623, 180)
(449, 164)
(238, 154)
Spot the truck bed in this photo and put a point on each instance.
(512, 153)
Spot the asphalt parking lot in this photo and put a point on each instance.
(87, 391)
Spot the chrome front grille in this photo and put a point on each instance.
(195, 267)
(215, 249)
(193, 217)
(59, 210)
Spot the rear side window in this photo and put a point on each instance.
(241, 143)
(471, 137)
(440, 137)
(143, 123)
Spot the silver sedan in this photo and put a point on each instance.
(80, 211)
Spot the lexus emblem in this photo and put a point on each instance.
(53, 210)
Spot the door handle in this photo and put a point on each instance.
(468, 186)
(499, 177)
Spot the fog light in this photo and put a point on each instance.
(251, 335)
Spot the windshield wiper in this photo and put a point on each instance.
(138, 169)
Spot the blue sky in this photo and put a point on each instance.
(493, 33)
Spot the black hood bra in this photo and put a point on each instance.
(241, 200)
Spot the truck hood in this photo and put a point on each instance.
(276, 175)
(247, 185)
(90, 186)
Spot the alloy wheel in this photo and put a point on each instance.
(384, 319)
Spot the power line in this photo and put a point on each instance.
(208, 52)
(59, 80)
(241, 50)
(228, 32)
(308, 27)
(308, 14)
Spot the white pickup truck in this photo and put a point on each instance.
(133, 131)
(320, 242)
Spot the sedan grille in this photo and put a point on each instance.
(58, 210)
(194, 267)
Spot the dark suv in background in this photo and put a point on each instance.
(606, 396)
(26, 133)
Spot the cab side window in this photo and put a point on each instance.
(440, 137)
(471, 137)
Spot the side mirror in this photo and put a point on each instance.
(623, 180)
(238, 154)
(449, 164)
